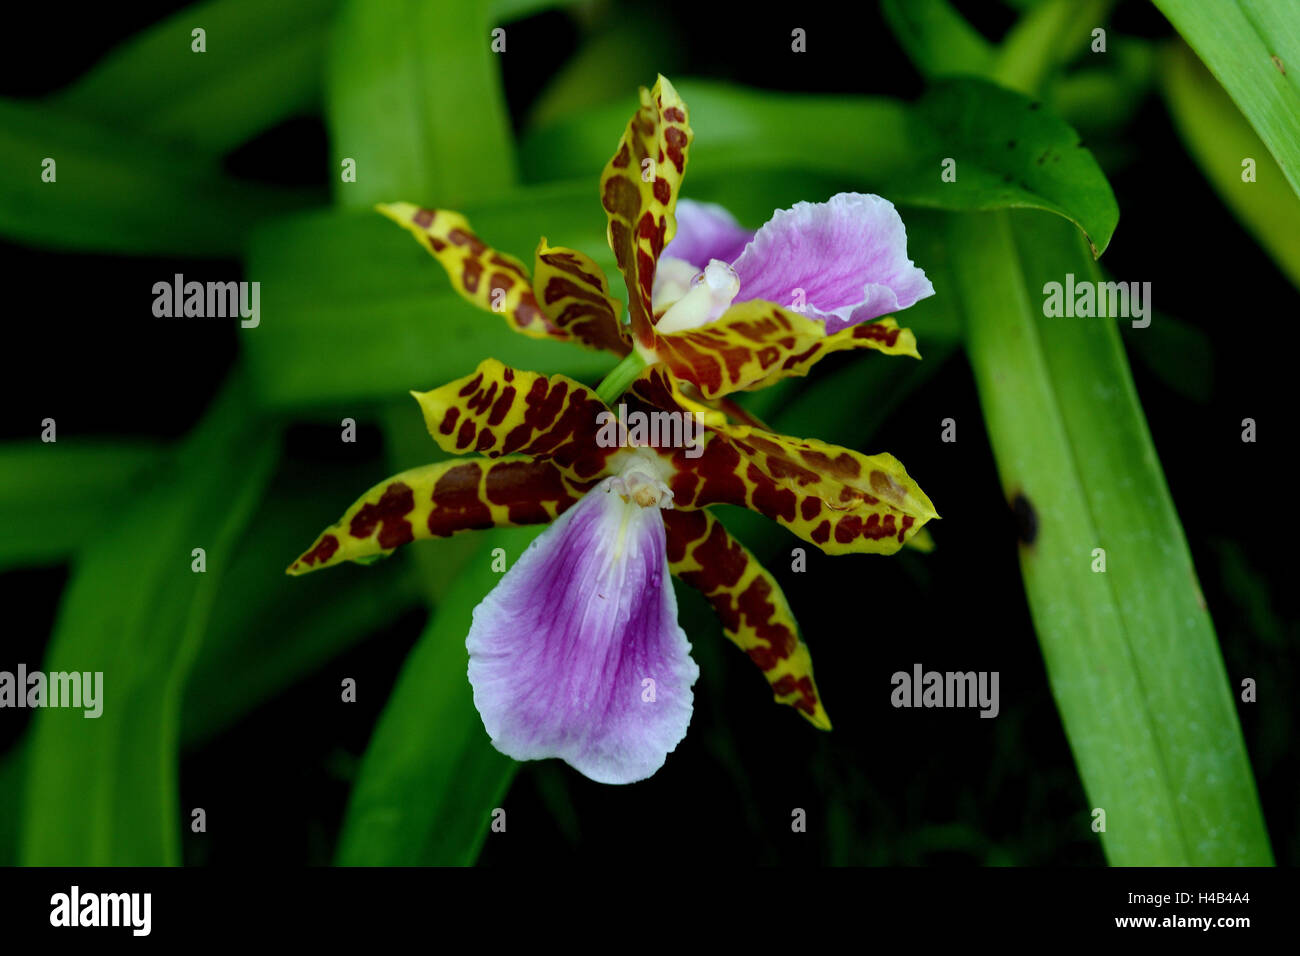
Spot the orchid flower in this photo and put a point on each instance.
(721, 308)
(577, 653)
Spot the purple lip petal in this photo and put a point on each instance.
(706, 231)
(847, 255)
(577, 654)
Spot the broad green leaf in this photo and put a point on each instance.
(261, 64)
(1006, 151)
(1253, 48)
(119, 191)
(354, 311)
(1130, 652)
(414, 97)
(104, 790)
(937, 39)
(1220, 140)
(56, 496)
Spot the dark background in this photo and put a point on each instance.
(887, 786)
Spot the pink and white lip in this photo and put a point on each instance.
(577, 653)
(843, 262)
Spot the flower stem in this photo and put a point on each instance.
(621, 378)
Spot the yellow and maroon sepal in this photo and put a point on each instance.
(566, 298)
(638, 189)
(439, 500)
(755, 344)
(750, 604)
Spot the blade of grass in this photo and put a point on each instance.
(1130, 653)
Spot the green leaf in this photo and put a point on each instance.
(104, 790)
(55, 496)
(123, 192)
(1101, 100)
(1009, 152)
(736, 129)
(1219, 139)
(1253, 48)
(1045, 37)
(430, 778)
(262, 64)
(1130, 653)
(937, 39)
(414, 97)
(354, 311)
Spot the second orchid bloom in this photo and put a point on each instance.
(577, 652)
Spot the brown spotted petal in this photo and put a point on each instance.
(639, 192)
(499, 283)
(658, 388)
(574, 293)
(750, 604)
(756, 343)
(500, 411)
(439, 500)
(836, 498)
